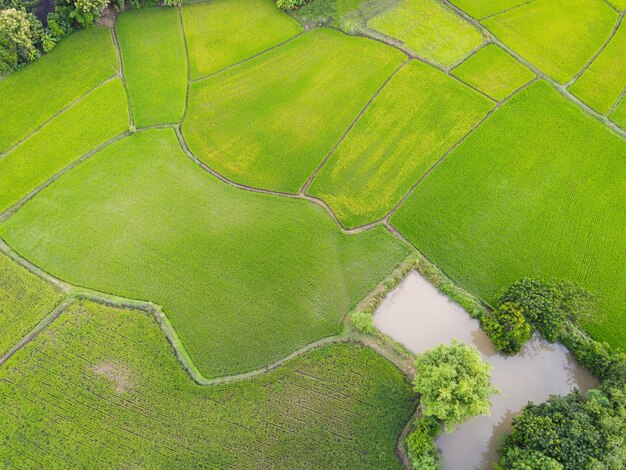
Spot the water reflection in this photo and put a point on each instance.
(418, 316)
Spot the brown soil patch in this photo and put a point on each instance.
(117, 373)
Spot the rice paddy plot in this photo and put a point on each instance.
(494, 72)
(482, 8)
(101, 388)
(223, 32)
(270, 122)
(153, 55)
(557, 36)
(429, 29)
(100, 116)
(536, 191)
(619, 4)
(618, 116)
(245, 278)
(25, 300)
(76, 65)
(601, 85)
(417, 117)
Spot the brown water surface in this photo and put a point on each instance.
(420, 317)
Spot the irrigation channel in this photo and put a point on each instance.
(418, 316)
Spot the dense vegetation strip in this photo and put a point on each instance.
(100, 116)
(101, 387)
(429, 29)
(245, 278)
(602, 83)
(494, 72)
(415, 119)
(223, 32)
(153, 53)
(25, 300)
(77, 64)
(269, 122)
(538, 205)
(557, 36)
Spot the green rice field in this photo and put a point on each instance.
(101, 387)
(201, 204)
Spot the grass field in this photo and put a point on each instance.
(245, 278)
(557, 36)
(602, 83)
(100, 116)
(223, 32)
(75, 66)
(619, 4)
(25, 300)
(155, 67)
(551, 205)
(101, 387)
(270, 122)
(430, 29)
(494, 72)
(482, 8)
(417, 117)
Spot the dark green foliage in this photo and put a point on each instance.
(576, 432)
(420, 444)
(290, 4)
(539, 302)
(507, 328)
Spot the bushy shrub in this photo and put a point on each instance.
(21, 38)
(421, 447)
(363, 321)
(574, 431)
(507, 327)
(516, 458)
(539, 301)
(454, 383)
(290, 4)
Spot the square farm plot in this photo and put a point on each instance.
(604, 81)
(430, 29)
(269, 122)
(414, 121)
(221, 33)
(557, 36)
(494, 72)
(536, 191)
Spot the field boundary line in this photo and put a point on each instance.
(351, 126)
(32, 334)
(19, 204)
(57, 114)
(182, 28)
(612, 6)
(573, 80)
(121, 74)
(270, 192)
(559, 87)
(617, 102)
(505, 11)
(265, 51)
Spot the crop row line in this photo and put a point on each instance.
(121, 74)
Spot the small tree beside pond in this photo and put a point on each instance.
(507, 327)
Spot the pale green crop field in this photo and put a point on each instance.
(221, 33)
(619, 4)
(245, 278)
(270, 122)
(417, 117)
(494, 72)
(619, 114)
(25, 300)
(602, 83)
(557, 36)
(482, 8)
(102, 388)
(494, 212)
(78, 64)
(98, 117)
(153, 54)
(430, 29)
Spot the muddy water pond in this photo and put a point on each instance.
(420, 317)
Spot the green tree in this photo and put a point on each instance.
(507, 327)
(454, 384)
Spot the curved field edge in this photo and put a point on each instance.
(180, 246)
(106, 380)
